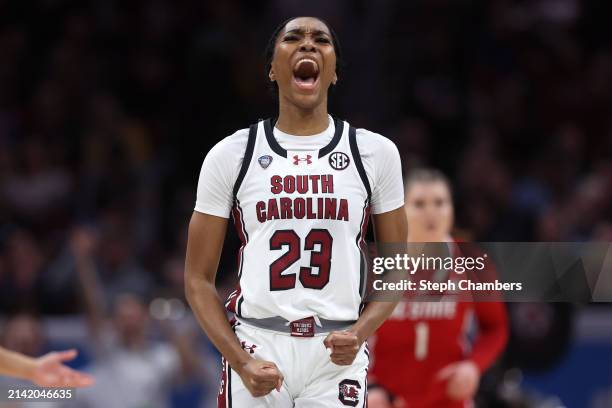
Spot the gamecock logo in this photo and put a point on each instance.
(348, 392)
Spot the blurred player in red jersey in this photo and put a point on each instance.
(421, 354)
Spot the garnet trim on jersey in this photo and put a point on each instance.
(361, 244)
(224, 397)
(360, 239)
(235, 304)
(278, 149)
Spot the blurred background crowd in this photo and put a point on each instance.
(107, 109)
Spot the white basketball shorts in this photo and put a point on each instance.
(311, 379)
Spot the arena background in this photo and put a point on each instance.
(107, 109)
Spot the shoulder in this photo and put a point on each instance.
(372, 143)
(234, 144)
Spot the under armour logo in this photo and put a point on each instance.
(297, 159)
(246, 347)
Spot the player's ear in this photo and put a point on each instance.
(335, 79)
(271, 75)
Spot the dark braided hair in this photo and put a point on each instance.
(269, 53)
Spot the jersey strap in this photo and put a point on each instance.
(248, 155)
(358, 162)
(339, 124)
(278, 149)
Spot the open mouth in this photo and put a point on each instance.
(306, 74)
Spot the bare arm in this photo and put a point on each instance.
(83, 243)
(206, 236)
(46, 371)
(389, 227)
(14, 364)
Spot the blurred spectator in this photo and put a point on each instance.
(130, 369)
(21, 285)
(35, 187)
(23, 333)
(173, 273)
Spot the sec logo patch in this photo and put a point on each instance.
(339, 160)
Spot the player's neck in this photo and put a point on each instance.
(302, 122)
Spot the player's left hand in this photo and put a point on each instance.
(342, 346)
(463, 378)
(48, 371)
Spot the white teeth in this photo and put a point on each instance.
(307, 59)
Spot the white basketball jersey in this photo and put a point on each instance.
(301, 217)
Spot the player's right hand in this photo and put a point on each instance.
(261, 377)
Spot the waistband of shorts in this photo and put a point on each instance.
(283, 326)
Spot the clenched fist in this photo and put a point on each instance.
(261, 377)
(342, 346)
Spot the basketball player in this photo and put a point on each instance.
(300, 189)
(419, 353)
(45, 371)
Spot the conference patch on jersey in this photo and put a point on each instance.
(265, 160)
(339, 160)
(348, 392)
